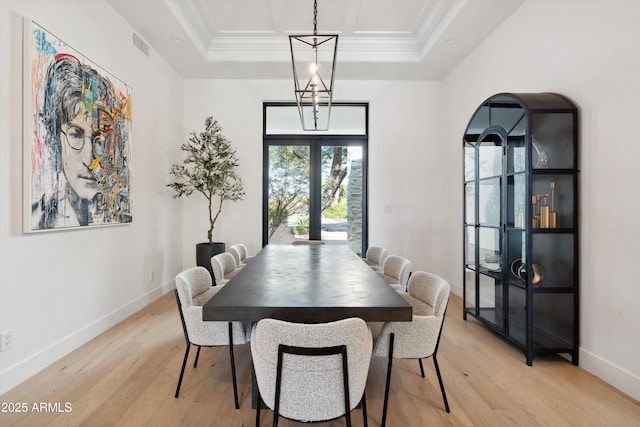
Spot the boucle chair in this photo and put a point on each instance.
(240, 254)
(375, 257)
(311, 372)
(396, 271)
(428, 295)
(193, 290)
(224, 268)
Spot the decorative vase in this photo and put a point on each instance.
(205, 251)
(519, 269)
(540, 156)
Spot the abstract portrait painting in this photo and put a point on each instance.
(77, 138)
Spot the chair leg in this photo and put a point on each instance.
(364, 409)
(258, 409)
(444, 395)
(184, 364)
(233, 366)
(195, 364)
(386, 389)
(421, 368)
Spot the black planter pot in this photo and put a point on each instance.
(204, 252)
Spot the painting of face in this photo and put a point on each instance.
(80, 142)
(77, 156)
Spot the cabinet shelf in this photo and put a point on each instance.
(521, 221)
(563, 230)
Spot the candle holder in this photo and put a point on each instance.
(553, 215)
(544, 212)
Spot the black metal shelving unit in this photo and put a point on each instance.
(520, 221)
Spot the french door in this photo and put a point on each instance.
(314, 188)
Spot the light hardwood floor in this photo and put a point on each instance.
(127, 377)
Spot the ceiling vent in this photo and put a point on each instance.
(141, 45)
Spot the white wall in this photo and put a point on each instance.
(588, 51)
(60, 289)
(409, 165)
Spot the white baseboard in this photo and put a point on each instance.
(456, 289)
(14, 375)
(617, 377)
(613, 375)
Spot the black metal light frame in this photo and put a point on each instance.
(314, 92)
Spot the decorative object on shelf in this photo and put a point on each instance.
(519, 269)
(553, 215)
(493, 262)
(544, 212)
(314, 93)
(520, 217)
(544, 216)
(540, 158)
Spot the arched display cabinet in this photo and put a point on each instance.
(521, 221)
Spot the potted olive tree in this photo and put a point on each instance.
(209, 168)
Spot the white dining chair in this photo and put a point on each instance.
(396, 271)
(224, 268)
(375, 257)
(240, 254)
(311, 372)
(428, 295)
(194, 289)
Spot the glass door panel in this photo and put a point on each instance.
(490, 290)
(470, 289)
(555, 192)
(553, 257)
(342, 199)
(288, 184)
(490, 258)
(552, 141)
(469, 162)
(470, 203)
(517, 148)
(517, 203)
(517, 314)
(490, 158)
(489, 201)
(490, 301)
(470, 247)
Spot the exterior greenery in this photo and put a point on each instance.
(289, 185)
(209, 167)
(338, 210)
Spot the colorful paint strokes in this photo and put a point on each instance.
(79, 139)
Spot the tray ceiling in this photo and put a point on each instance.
(379, 39)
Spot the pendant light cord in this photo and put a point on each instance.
(315, 17)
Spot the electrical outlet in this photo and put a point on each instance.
(6, 340)
(151, 276)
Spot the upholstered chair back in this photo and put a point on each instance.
(396, 270)
(428, 295)
(312, 386)
(376, 255)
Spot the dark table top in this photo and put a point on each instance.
(310, 284)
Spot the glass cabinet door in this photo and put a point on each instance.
(489, 231)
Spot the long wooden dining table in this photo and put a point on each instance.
(307, 284)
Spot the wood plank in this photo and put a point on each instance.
(127, 377)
